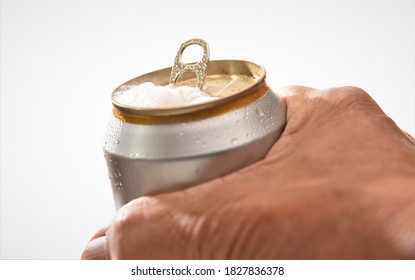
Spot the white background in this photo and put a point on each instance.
(60, 61)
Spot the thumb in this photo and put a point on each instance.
(96, 249)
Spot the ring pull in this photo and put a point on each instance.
(198, 68)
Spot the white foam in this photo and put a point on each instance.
(150, 95)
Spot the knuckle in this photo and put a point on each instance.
(352, 98)
(125, 229)
(294, 90)
(133, 212)
(151, 227)
(123, 221)
(293, 95)
(353, 94)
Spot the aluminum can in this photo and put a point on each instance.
(156, 150)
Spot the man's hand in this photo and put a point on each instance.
(338, 184)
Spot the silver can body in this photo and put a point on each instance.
(148, 159)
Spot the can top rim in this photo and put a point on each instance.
(238, 78)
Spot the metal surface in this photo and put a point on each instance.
(149, 159)
(198, 68)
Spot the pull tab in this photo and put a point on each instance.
(198, 68)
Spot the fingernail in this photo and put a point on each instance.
(96, 249)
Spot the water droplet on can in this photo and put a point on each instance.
(259, 112)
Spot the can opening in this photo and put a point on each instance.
(223, 82)
(229, 80)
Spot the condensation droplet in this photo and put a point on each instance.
(118, 185)
(259, 112)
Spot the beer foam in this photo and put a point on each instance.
(151, 95)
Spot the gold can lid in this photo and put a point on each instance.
(227, 80)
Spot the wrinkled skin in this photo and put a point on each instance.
(338, 184)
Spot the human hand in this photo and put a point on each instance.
(338, 184)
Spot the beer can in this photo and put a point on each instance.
(156, 150)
